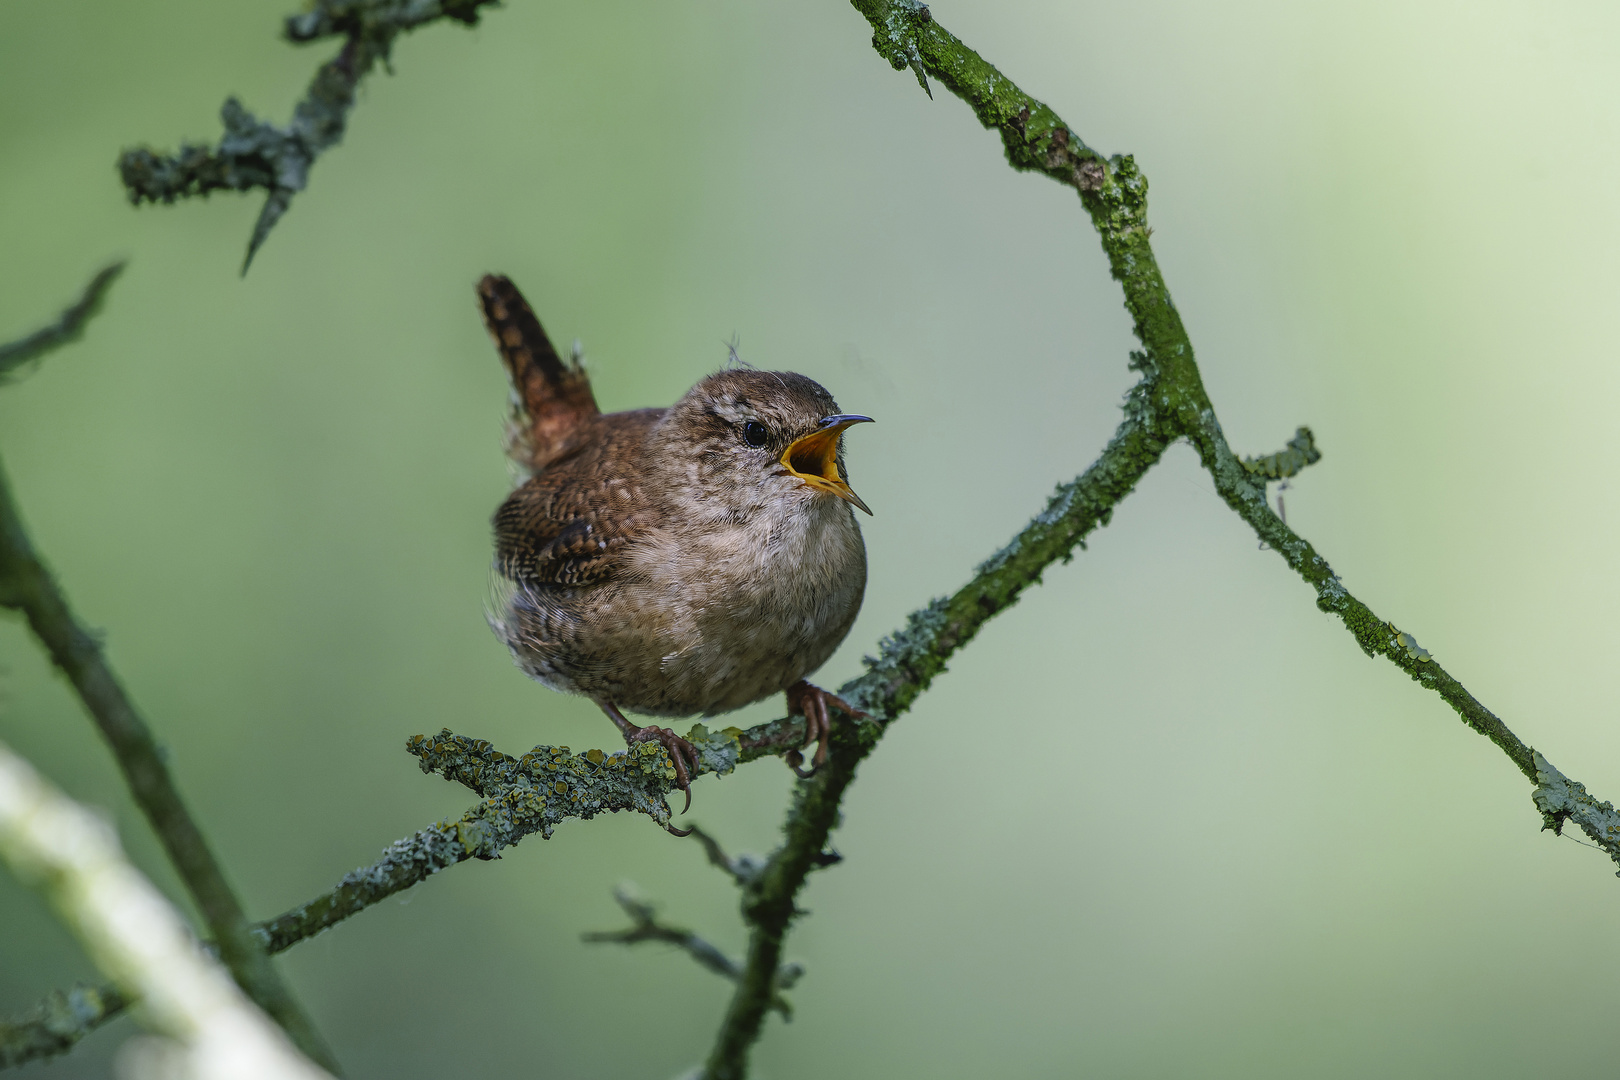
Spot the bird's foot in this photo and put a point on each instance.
(811, 701)
(680, 752)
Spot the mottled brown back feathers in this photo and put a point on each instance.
(569, 524)
(554, 396)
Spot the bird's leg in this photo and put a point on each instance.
(811, 701)
(680, 751)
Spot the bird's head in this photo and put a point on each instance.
(751, 438)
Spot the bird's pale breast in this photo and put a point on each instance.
(701, 618)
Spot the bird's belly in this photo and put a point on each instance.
(709, 626)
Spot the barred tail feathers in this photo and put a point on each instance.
(552, 396)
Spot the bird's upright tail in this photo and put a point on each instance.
(551, 398)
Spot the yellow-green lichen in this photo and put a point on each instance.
(1408, 644)
(1300, 452)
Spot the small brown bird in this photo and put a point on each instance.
(678, 561)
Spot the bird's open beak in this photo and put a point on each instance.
(814, 458)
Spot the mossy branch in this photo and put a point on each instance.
(1115, 197)
(256, 154)
(28, 587)
(1169, 403)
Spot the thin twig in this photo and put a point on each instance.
(644, 926)
(27, 586)
(743, 869)
(67, 328)
(257, 154)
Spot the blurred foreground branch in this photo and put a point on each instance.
(134, 935)
(257, 154)
(27, 586)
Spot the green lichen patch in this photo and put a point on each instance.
(718, 751)
(1562, 800)
(1414, 651)
(549, 784)
(1300, 452)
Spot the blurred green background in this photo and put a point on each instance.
(1221, 842)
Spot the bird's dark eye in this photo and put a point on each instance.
(754, 433)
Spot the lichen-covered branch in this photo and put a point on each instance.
(518, 797)
(644, 926)
(1115, 196)
(56, 1024)
(67, 328)
(28, 587)
(255, 154)
(1561, 800)
(1245, 493)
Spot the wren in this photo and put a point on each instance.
(674, 562)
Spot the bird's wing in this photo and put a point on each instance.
(554, 397)
(535, 545)
(572, 524)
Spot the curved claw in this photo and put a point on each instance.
(680, 751)
(811, 701)
(795, 762)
